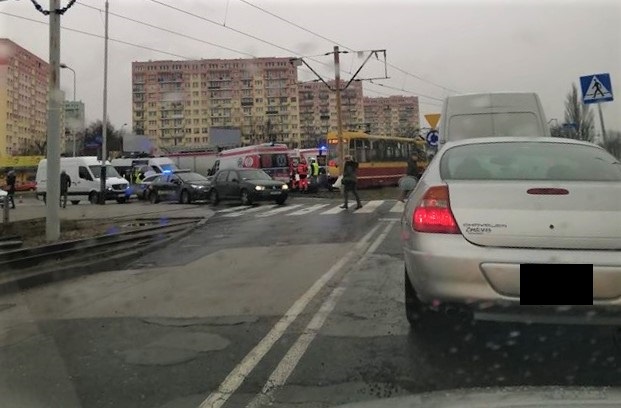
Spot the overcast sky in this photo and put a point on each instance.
(464, 46)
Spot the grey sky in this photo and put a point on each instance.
(469, 46)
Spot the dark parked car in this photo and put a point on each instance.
(247, 185)
(142, 188)
(185, 187)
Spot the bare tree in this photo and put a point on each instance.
(579, 116)
(612, 143)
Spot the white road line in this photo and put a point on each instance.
(279, 376)
(334, 210)
(307, 210)
(278, 210)
(370, 207)
(233, 209)
(236, 377)
(398, 208)
(243, 212)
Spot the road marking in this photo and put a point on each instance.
(278, 210)
(232, 209)
(307, 210)
(279, 376)
(334, 210)
(398, 208)
(389, 219)
(370, 207)
(236, 377)
(249, 210)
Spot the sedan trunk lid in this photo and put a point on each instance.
(538, 214)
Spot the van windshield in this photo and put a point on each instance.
(110, 171)
(493, 124)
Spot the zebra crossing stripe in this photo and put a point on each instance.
(307, 210)
(247, 211)
(398, 208)
(334, 210)
(370, 207)
(233, 209)
(278, 210)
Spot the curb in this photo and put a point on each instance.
(108, 261)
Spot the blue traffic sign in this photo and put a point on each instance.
(432, 138)
(596, 88)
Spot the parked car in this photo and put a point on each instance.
(248, 186)
(485, 207)
(182, 186)
(141, 189)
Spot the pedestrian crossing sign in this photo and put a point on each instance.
(596, 88)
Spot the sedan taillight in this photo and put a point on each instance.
(433, 213)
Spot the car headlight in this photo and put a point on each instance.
(197, 187)
(285, 187)
(108, 188)
(259, 188)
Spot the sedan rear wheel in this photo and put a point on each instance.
(185, 197)
(213, 196)
(153, 197)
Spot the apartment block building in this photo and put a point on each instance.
(392, 116)
(23, 100)
(318, 110)
(176, 103)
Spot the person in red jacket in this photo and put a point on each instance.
(303, 172)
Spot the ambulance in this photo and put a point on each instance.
(272, 158)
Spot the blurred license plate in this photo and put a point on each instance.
(275, 192)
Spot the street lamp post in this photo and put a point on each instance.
(65, 66)
(73, 132)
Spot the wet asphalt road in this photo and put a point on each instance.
(283, 310)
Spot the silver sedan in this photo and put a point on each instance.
(487, 212)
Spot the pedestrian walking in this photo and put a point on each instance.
(350, 181)
(65, 183)
(407, 183)
(10, 181)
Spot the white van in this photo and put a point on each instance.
(85, 180)
(492, 114)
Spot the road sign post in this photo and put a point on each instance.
(597, 88)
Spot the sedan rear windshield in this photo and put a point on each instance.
(529, 161)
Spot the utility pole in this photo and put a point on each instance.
(337, 89)
(339, 114)
(52, 219)
(601, 121)
(104, 126)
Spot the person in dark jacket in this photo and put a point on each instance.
(350, 181)
(10, 181)
(65, 183)
(406, 182)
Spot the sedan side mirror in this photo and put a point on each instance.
(235, 181)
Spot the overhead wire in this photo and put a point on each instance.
(98, 36)
(169, 31)
(342, 45)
